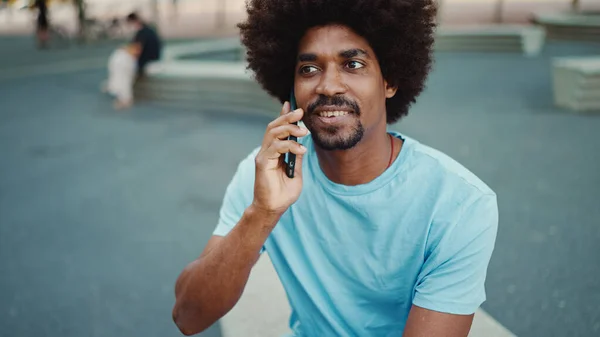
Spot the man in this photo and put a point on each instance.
(148, 41)
(377, 234)
(42, 23)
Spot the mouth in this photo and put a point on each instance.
(328, 114)
(330, 117)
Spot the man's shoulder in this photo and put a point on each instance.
(464, 206)
(145, 31)
(248, 161)
(241, 185)
(446, 170)
(148, 31)
(246, 167)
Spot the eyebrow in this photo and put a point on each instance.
(307, 58)
(350, 53)
(347, 54)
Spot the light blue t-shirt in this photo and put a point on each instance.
(354, 259)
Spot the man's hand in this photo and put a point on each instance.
(274, 191)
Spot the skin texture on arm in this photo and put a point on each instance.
(212, 284)
(427, 323)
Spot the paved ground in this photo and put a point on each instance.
(99, 211)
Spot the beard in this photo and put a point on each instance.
(333, 137)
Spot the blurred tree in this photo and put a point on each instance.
(575, 5)
(80, 6)
(499, 12)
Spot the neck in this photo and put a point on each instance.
(362, 163)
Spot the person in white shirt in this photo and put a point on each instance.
(122, 70)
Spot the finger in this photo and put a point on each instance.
(288, 118)
(285, 109)
(284, 131)
(298, 168)
(279, 147)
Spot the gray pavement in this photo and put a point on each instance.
(99, 210)
(19, 51)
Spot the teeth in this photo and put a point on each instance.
(333, 113)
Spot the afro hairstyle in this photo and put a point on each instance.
(401, 32)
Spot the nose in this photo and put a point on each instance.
(331, 83)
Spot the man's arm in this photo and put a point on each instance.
(138, 41)
(427, 323)
(212, 284)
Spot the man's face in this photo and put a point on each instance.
(339, 85)
(133, 26)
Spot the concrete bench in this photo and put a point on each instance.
(527, 40)
(576, 83)
(205, 85)
(185, 50)
(570, 26)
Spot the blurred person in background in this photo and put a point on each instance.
(148, 41)
(122, 69)
(376, 234)
(42, 23)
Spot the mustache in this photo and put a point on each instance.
(338, 101)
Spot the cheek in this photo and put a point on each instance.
(303, 93)
(370, 95)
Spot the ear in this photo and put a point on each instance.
(390, 91)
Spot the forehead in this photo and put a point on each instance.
(331, 39)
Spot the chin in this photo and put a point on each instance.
(332, 138)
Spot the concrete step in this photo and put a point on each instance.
(576, 83)
(573, 34)
(570, 26)
(250, 103)
(214, 107)
(200, 48)
(475, 46)
(203, 86)
(212, 101)
(528, 40)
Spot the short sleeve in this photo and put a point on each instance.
(452, 279)
(238, 196)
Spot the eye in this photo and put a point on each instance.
(355, 65)
(308, 69)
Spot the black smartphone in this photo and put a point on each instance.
(290, 158)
